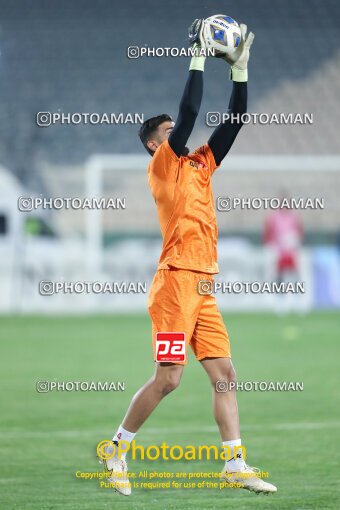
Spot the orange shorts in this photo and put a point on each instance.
(176, 305)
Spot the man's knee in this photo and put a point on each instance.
(168, 386)
(168, 381)
(227, 374)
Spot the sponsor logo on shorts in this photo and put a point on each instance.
(170, 347)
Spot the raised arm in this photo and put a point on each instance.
(192, 95)
(224, 135)
(188, 111)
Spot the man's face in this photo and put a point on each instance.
(160, 135)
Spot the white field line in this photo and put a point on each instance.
(28, 434)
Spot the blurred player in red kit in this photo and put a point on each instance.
(283, 233)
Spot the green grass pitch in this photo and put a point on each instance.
(46, 438)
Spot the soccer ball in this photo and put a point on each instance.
(222, 33)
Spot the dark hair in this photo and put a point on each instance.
(149, 127)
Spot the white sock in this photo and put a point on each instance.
(122, 435)
(233, 464)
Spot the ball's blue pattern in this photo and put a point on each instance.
(218, 35)
(229, 19)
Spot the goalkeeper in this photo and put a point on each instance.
(181, 186)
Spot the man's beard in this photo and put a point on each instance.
(185, 151)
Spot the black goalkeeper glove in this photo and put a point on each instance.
(197, 43)
(195, 33)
